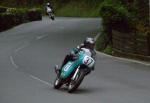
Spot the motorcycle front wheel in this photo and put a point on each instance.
(58, 83)
(74, 84)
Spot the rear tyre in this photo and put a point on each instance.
(74, 84)
(52, 17)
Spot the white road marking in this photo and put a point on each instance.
(13, 63)
(42, 81)
(33, 77)
(21, 47)
(25, 45)
(119, 58)
(18, 49)
(41, 37)
(124, 59)
(16, 66)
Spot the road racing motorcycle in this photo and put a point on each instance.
(73, 72)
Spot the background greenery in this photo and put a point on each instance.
(119, 14)
(10, 17)
(78, 8)
(122, 15)
(126, 16)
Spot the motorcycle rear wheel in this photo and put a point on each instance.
(52, 17)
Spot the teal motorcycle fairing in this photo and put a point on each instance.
(69, 67)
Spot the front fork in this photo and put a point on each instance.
(75, 74)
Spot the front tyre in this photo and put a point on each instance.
(74, 84)
(57, 83)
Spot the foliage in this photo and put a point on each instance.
(77, 10)
(108, 50)
(3, 9)
(15, 16)
(116, 15)
(101, 41)
(124, 16)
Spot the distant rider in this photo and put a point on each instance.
(49, 5)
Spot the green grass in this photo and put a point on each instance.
(77, 10)
(101, 43)
(84, 8)
(108, 50)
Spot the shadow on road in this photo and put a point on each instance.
(81, 90)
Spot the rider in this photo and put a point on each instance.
(49, 5)
(88, 43)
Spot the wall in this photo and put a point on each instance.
(131, 44)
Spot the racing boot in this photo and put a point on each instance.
(57, 70)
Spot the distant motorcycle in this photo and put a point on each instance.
(50, 13)
(73, 72)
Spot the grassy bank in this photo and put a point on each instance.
(76, 9)
(120, 36)
(21, 11)
(68, 8)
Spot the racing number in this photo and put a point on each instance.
(88, 60)
(67, 67)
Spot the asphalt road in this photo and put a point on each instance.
(29, 52)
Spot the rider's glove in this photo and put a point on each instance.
(74, 57)
(74, 51)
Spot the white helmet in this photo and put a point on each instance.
(48, 4)
(89, 42)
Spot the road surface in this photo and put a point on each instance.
(29, 52)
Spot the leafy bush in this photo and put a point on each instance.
(3, 9)
(76, 9)
(34, 14)
(15, 16)
(20, 14)
(6, 21)
(27, 14)
(116, 15)
(125, 16)
(108, 50)
(101, 41)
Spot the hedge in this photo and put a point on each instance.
(15, 17)
(132, 23)
(116, 15)
(3, 9)
(34, 14)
